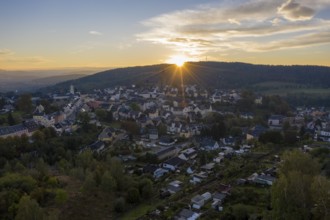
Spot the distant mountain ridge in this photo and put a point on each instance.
(206, 74)
(30, 80)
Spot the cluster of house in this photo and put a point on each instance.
(318, 124)
(315, 121)
(25, 128)
(216, 199)
(155, 107)
(164, 107)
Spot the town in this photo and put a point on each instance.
(196, 151)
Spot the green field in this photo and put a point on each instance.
(284, 89)
(297, 91)
(17, 115)
(141, 210)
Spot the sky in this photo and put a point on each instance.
(50, 34)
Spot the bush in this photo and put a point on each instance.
(120, 205)
(18, 181)
(61, 196)
(133, 195)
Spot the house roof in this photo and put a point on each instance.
(206, 195)
(207, 142)
(106, 133)
(173, 188)
(186, 213)
(197, 199)
(31, 125)
(96, 145)
(150, 168)
(12, 129)
(153, 131)
(266, 178)
(166, 139)
(175, 161)
(166, 150)
(208, 166)
(219, 196)
(224, 188)
(189, 152)
(257, 130)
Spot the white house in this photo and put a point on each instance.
(198, 202)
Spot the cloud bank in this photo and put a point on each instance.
(97, 33)
(253, 26)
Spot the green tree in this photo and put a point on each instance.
(24, 103)
(89, 183)
(272, 137)
(286, 126)
(101, 114)
(10, 119)
(108, 183)
(131, 126)
(84, 119)
(290, 136)
(17, 181)
(320, 193)
(120, 204)
(2, 102)
(298, 161)
(240, 212)
(146, 188)
(61, 196)
(84, 159)
(29, 209)
(150, 158)
(38, 136)
(117, 172)
(133, 195)
(291, 193)
(291, 196)
(104, 115)
(135, 107)
(162, 129)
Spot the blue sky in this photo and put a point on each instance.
(37, 34)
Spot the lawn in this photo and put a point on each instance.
(283, 89)
(297, 91)
(141, 210)
(17, 115)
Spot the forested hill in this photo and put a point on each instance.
(210, 74)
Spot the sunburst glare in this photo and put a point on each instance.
(178, 60)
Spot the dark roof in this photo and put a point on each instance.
(186, 213)
(96, 145)
(58, 125)
(258, 130)
(150, 168)
(173, 188)
(175, 161)
(153, 131)
(11, 129)
(207, 142)
(169, 149)
(224, 188)
(266, 178)
(31, 125)
(166, 139)
(219, 196)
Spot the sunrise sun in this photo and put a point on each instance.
(178, 60)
